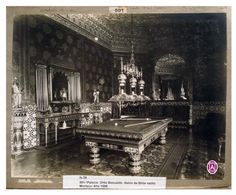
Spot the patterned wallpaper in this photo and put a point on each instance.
(209, 79)
(201, 109)
(38, 39)
(201, 42)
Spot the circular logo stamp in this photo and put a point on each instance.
(212, 167)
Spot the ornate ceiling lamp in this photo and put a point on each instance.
(132, 71)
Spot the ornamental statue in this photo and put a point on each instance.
(17, 93)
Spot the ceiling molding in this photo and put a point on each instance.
(164, 32)
(89, 27)
(77, 28)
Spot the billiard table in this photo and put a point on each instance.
(131, 135)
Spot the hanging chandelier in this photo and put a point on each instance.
(130, 69)
(131, 73)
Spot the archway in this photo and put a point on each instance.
(169, 79)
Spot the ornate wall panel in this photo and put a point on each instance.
(50, 43)
(201, 109)
(29, 128)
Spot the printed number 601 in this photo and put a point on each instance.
(119, 10)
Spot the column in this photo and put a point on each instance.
(38, 133)
(56, 129)
(46, 125)
(18, 117)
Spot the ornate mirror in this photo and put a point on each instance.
(60, 87)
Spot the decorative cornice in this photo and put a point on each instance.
(90, 27)
(78, 27)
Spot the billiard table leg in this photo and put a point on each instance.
(135, 156)
(134, 163)
(94, 155)
(163, 136)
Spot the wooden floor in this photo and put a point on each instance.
(185, 156)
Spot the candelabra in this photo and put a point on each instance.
(123, 99)
(131, 71)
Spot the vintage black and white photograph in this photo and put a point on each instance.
(140, 93)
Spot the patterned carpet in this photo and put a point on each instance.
(183, 157)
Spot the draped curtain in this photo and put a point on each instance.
(72, 86)
(41, 88)
(42, 95)
(77, 88)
